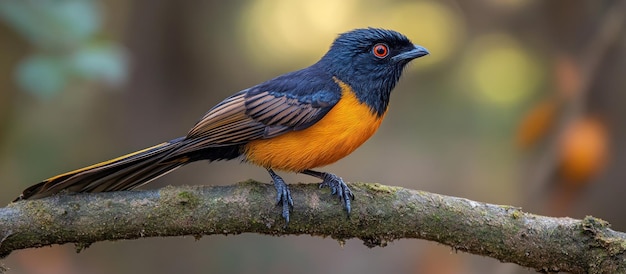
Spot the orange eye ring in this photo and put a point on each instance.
(380, 50)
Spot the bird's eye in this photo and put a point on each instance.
(380, 50)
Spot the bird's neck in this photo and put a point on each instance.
(371, 87)
(374, 91)
(377, 98)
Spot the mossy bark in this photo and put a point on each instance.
(380, 214)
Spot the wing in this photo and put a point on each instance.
(290, 102)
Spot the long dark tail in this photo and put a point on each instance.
(122, 173)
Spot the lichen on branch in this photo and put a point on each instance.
(380, 214)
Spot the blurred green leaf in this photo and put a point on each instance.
(105, 62)
(42, 75)
(53, 24)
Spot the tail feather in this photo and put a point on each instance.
(141, 176)
(122, 173)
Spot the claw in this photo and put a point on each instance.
(339, 188)
(283, 195)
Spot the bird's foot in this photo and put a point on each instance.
(338, 187)
(283, 195)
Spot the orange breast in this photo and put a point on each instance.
(344, 128)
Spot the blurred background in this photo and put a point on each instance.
(521, 102)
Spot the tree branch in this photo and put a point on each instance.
(380, 214)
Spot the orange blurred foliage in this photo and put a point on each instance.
(536, 123)
(583, 151)
(568, 76)
(542, 116)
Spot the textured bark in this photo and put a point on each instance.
(380, 214)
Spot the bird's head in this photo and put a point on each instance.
(371, 61)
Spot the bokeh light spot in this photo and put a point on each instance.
(501, 70)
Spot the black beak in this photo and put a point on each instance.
(416, 52)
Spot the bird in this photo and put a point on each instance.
(295, 122)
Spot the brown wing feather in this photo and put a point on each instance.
(245, 117)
